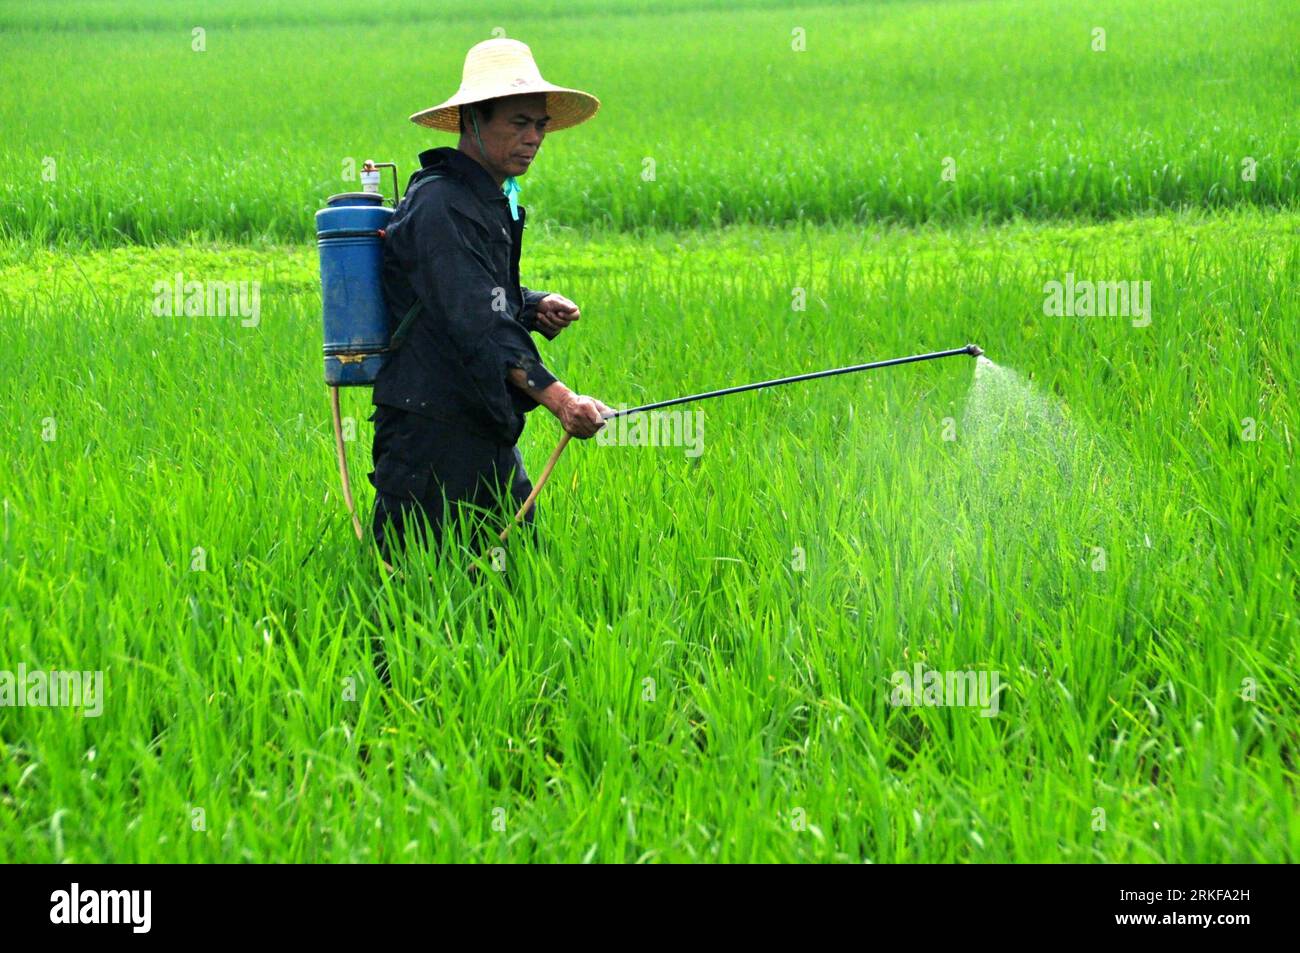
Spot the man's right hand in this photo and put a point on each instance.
(581, 416)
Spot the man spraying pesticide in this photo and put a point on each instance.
(460, 371)
(455, 377)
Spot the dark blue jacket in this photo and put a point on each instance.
(453, 246)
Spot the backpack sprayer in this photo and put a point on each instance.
(350, 233)
(350, 236)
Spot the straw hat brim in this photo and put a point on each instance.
(566, 107)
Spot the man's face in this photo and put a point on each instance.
(512, 136)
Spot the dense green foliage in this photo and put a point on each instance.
(153, 141)
(771, 685)
(695, 658)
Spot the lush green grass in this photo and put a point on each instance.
(694, 658)
(771, 686)
(154, 142)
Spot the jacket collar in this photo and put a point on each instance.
(468, 170)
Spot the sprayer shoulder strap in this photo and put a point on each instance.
(404, 327)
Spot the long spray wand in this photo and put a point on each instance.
(970, 350)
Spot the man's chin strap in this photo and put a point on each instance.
(511, 185)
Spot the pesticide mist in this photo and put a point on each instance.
(1033, 483)
(1003, 410)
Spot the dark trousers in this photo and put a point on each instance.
(427, 470)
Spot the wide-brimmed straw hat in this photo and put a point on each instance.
(503, 67)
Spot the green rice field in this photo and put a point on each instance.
(706, 651)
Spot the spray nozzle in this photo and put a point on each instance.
(974, 350)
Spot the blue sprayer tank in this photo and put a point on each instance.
(350, 236)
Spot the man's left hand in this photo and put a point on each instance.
(555, 313)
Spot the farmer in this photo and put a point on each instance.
(462, 371)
